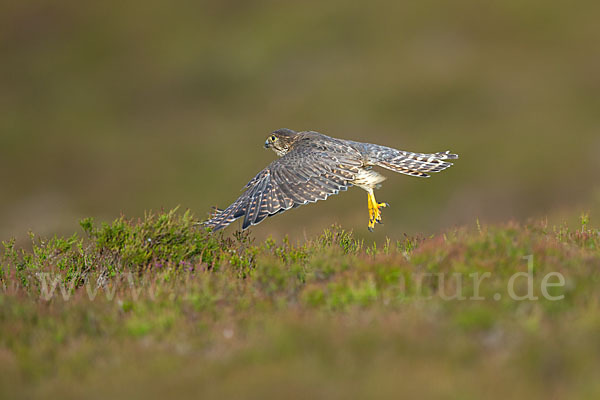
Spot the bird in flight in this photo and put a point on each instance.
(312, 166)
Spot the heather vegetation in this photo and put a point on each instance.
(162, 302)
(482, 283)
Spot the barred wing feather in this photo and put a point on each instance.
(302, 176)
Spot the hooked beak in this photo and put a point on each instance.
(267, 144)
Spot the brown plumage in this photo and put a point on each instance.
(313, 167)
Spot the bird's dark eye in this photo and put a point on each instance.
(272, 138)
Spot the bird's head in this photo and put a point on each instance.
(281, 141)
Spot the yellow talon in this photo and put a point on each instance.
(374, 210)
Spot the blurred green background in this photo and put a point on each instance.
(121, 107)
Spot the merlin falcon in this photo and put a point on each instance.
(312, 166)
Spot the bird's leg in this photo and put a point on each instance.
(371, 213)
(374, 210)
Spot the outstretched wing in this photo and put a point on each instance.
(309, 172)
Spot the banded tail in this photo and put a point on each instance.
(414, 164)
